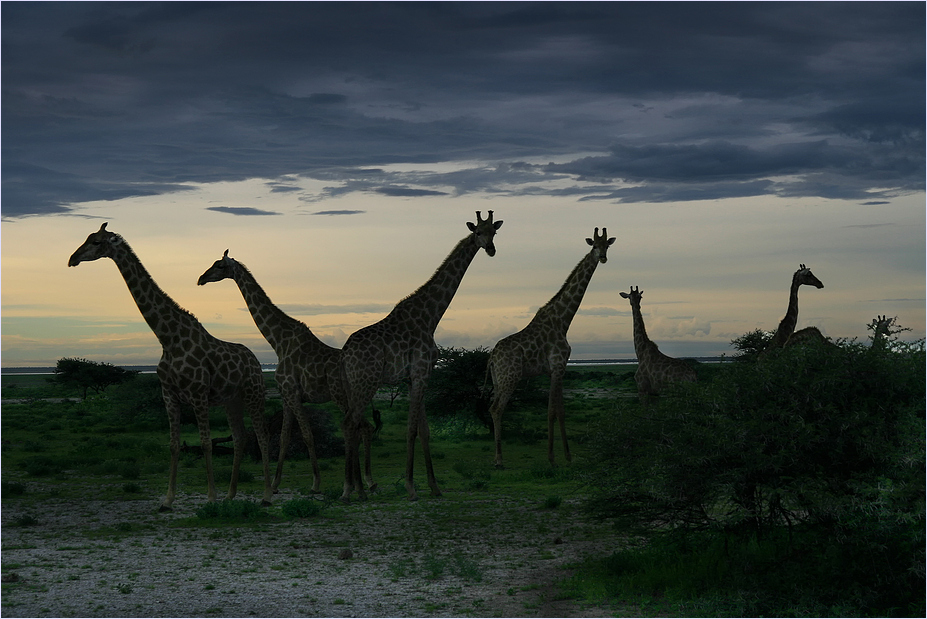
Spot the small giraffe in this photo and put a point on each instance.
(654, 370)
(308, 370)
(802, 277)
(195, 367)
(402, 345)
(542, 348)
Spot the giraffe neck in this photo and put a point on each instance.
(171, 324)
(431, 300)
(276, 326)
(561, 309)
(788, 322)
(642, 344)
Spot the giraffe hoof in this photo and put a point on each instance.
(265, 503)
(500, 467)
(165, 508)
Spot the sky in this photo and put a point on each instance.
(338, 150)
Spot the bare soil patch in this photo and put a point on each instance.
(464, 555)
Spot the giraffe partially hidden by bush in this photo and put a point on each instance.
(802, 277)
(654, 370)
(195, 368)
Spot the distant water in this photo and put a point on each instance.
(270, 367)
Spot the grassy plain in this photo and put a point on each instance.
(498, 540)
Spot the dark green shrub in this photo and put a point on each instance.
(231, 511)
(456, 384)
(301, 508)
(139, 403)
(817, 450)
(12, 488)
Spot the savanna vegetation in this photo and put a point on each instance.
(789, 486)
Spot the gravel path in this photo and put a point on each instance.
(465, 555)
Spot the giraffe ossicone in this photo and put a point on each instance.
(542, 348)
(195, 367)
(402, 345)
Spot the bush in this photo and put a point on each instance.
(232, 511)
(94, 375)
(301, 508)
(456, 384)
(817, 450)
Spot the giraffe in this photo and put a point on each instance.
(542, 348)
(308, 370)
(195, 368)
(881, 329)
(802, 277)
(402, 345)
(654, 370)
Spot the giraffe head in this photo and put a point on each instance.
(98, 245)
(805, 277)
(483, 231)
(600, 244)
(634, 297)
(223, 268)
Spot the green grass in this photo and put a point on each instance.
(59, 450)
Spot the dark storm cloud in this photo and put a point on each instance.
(330, 213)
(407, 192)
(108, 100)
(240, 210)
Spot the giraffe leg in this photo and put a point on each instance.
(352, 481)
(368, 441)
(256, 408)
(348, 475)
(555, 413)
(499, 401)
(201, 411)
(412, 429)
(234, 412)
(306, 429)
(173, 416)
(424, 437)
(285, 430)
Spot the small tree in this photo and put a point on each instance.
(751, 344)
(456, 384)
(83, 374)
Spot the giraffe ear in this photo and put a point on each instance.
(624, 295)
(589, 241)
(497, 224)
(611, 240)
(472, 226)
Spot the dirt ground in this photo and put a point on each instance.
(473, 555)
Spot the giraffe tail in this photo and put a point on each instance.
(484, 391)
